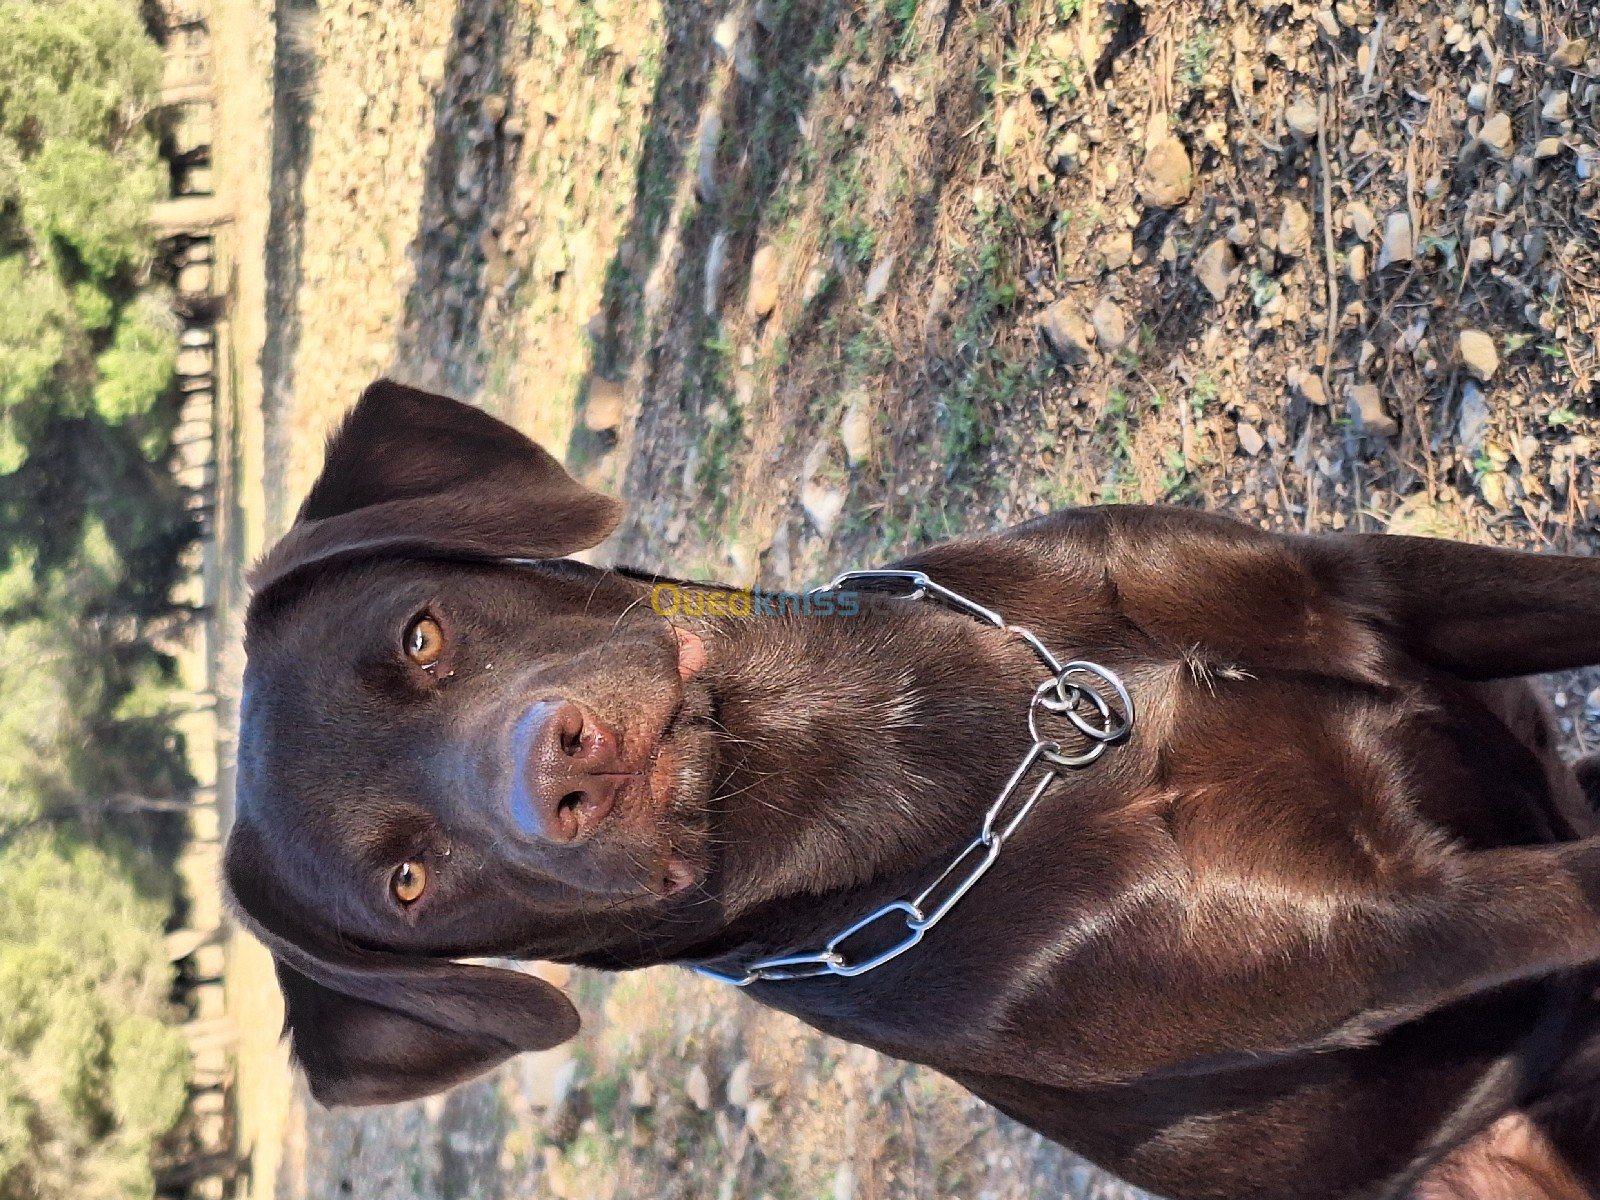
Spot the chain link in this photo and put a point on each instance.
(1070, 692)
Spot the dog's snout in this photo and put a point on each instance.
(569, 771)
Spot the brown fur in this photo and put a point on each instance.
(1325, 926)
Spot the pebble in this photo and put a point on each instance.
(697, 1087)
(1167, 177)
(1366, 408)
(1110, 324)
(1473, 420)
(716, 260)
(1478, 252)
(1547, 148)
(1302, 118)
(709, 138)
(822, 504)
(1118, 249)
(1358, 264)
(763, 296)
(1497, 135)
(855, 431)
(1478, 354)
(1362, 143)
(1557, 109)
(1250, 439)
(432, 67)
(1570, 55)
(1309, 385)
(1068, 335)
(739, 1084)
(602, 411)
(1358, 217)
(641, 1094)
(878, 279)
(1215, 268)
(1397, 245)
(1294, 230)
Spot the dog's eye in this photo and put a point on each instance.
(409, 882)
(424, 642)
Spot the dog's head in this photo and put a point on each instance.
(454, 743)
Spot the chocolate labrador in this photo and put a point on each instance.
(1248, 870)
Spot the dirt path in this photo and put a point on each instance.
(811, 283)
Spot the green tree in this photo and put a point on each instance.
(91, 1073)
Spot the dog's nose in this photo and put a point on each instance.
(569, 772)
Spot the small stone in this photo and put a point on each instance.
(1478, 253)
(641, 1094)
(1250, 439)
(698, 1088)
(1497, 135)
(1167, 177)
(1294, 230)
(1068, 335)
(763, 296)
(1478, 96)
(1118, 249)
(1215, 268)
(1570, 55)
(878, 280)
(757, 1114)
(1494, 487)
(1302, 118)
(1366, 408)
(855, 431)
(1547, 148)
(1328, 23)
(1362, 143)
(1310, 386)
(432, 67)
(602, 410)
(1473, 420)
(1557, 109)
(725, 35)
(739, 1084)
(1110, 324)
(709, 139)
(1358, 264)
(716, 260)
(1397, 245)
(1478, 354)
(822, 505)
(1360, 220)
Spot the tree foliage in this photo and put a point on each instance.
(92, 1071)
(79, 170)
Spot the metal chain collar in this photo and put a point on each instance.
(1067, 693)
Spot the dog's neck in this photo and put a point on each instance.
(856, 752)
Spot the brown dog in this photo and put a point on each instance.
(1323, 925)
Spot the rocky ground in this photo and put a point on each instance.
(813, 282)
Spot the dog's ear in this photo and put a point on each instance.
(376, 1027)
(411, 472)
(434, 1029)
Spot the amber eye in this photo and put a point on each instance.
(424, 641)
(409, 882)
